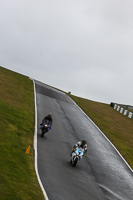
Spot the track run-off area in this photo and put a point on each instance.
(101, 175)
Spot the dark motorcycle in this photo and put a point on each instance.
(45, 126)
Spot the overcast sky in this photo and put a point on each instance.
(82, 46)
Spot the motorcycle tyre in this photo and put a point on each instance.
(43, 132)
(75, 162)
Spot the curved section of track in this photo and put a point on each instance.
(100, 175)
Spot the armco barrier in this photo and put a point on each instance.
(122, 110)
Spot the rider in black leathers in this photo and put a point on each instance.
(48, 119)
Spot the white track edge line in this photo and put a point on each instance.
(103, 135)
(35, 146)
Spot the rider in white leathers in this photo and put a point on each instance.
(82, 144)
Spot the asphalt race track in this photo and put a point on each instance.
(101, 175)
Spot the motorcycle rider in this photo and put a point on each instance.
(48, 118)
(82, 144)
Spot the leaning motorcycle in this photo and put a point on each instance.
(45, 126)
(76, 155)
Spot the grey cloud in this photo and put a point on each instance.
(82, 46)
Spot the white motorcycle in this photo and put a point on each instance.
(76, 155)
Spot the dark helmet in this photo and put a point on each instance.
(84, 142)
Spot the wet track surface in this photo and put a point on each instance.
(100, 175)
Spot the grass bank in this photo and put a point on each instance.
(18, 180)
(117, 127)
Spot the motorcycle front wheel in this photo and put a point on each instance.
(43, 132)
(74, 162)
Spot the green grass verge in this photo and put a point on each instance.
(116, 126)
(18, 180)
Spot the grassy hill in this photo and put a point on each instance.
(18, 180)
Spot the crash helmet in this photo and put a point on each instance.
(50, 114)
(84, 142)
